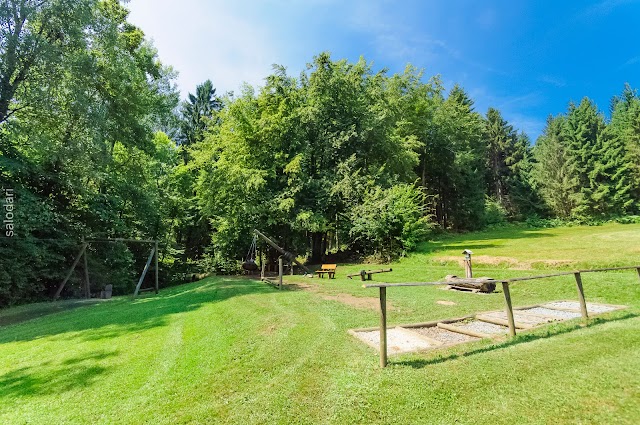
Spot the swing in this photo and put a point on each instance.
(250, 263)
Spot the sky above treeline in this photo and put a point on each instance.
(529, 59)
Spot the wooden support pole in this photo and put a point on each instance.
(280, 272)
(156, 265)
(144, 273)
(73, 267)
(86, 275)
(509, 308)
(383, 326)
(262, 271)
(291, 265)
(583, 303)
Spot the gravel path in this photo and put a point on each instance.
(483, 327)
(562, 315)
(398, 340)
(444, 335)
(575, 305)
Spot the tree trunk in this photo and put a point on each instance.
(317, 247)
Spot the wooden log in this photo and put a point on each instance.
(383, 327)
(509, 308)
(483, 284)
(73, 267)
(583, 303)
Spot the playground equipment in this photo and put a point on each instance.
(83, 255)
(366, 274)
(290, 257)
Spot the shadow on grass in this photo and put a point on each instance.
(50, 378)
(519, 339)
(121, 316)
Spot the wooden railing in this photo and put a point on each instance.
(505, 289)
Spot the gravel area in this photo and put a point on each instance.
(483, 327)
(520, 317)
(575, 305)
(444, 335)
(398, 340)
(561, 315)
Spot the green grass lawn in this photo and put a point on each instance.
(234, 350)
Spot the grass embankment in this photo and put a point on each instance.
(229, 350)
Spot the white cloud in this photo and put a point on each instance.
(207, 40)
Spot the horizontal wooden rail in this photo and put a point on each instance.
(505, 289)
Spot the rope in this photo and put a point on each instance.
(253, 249)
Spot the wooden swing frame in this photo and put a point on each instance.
(153, 254)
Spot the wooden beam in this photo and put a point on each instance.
(156, 266)
(144, 273)
(509, 308)
(86, 276)
(583, 303)
(73, 267)
(383, 327)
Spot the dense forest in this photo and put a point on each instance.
(95, 143)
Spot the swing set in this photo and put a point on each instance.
(153, 254)
(250, 263)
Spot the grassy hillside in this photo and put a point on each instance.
(233, 350)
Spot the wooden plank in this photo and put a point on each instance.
(583, 303)
(429, 324)
(509, 308)
(456, 329)
(144, 273)
(156, 266)
(73, 267)
(383, 327)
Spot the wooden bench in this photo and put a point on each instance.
(329, 269)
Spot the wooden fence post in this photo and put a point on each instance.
(383, 326)
(583, 304)
(86, 273)
(509, 308)
(280, 271)
(156, 249)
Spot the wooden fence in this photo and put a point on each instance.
(505, 289)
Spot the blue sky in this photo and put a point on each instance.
(526, 58)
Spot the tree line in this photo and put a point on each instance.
(94, 143)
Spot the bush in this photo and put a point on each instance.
(389, 222)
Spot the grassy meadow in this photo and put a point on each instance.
(235, 350)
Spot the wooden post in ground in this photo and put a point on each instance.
(280, 272)
(509, 308)
(291, 265)
(156, 250)
(144, 272)
(262, 271)
(383, 326)
(638, 270)
(73, 267)
(583, 303)
(86, 273)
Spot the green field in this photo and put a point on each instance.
(234, 350)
